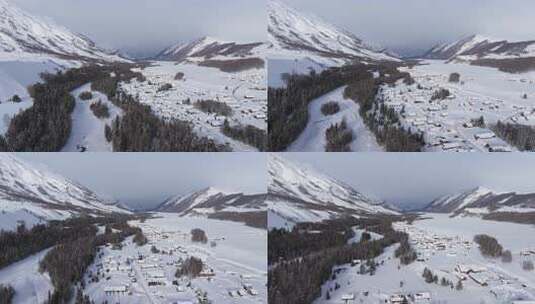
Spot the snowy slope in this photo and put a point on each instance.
(212, 48)
(32, 194)
(27, 37)
(300, 194)
(211, 200)
(295, 34)
(482, 47)
(482, 200)
(313, 138)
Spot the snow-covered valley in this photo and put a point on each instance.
(313, 137)
(234, 257)
(447, 124)
(446, 246)
(87, 134)
(244, 92)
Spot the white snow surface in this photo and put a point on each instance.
(31, 286)
(88, 130)
(294, 33)
(213, 48)
(462, 49)
(313, 138)
(29, 193)
(24, 36)
(484, 91)
(507, 280)
(238, 259)
(15, 77)
(245, 92)
(290, 182)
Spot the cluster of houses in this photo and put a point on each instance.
(395, 298)
(244, 92)
(445, 123)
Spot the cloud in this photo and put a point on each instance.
(417, 25)
(148, 25)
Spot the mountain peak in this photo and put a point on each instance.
(24, 36)
(306, 35)
(299, 194)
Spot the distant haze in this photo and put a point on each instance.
(144, 27)
(410, 27)
(412, 180)
(143, 180)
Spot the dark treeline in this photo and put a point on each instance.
(520, 136)
(513, 217)
(46, 125)
(236, 65)
(288, 107)
(249, 134)
(306, 238)
(338, 137)
(405, 252)
(66, 264)
(19, 244)
(488, 245)
(6, 294)
(140, 130)
(191, 267)
(330, 108)
(100, 109)
(68, 261)
(381, 120)
(298, 279)
(213, 107)
(198, 235)
(252, 219)
(514, 65)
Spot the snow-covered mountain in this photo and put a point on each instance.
(295, 34)
(27, 37)
(482, 201)
(212, 200)
(211, 48)
(32, 194)
(299, 194)
(480, 47)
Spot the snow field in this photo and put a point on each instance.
(313, 137)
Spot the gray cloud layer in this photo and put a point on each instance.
(146, 179)
(412, 179)
(149, 25)
(416, 25)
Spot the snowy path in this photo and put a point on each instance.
(30, 285)
(313, 137)
(88, 130)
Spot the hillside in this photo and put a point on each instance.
(33, 195)
(298, 35)
(299, 194)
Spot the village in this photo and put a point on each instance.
(244, 92)
(452, 122)
(463, 275)
(146, 274)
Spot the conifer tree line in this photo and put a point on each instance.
(288, 106)
(299, 266)
(73, 244)
(47, 124)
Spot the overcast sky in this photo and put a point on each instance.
(409, 26)
(146, 179)
(412, 179)
(141, 26)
